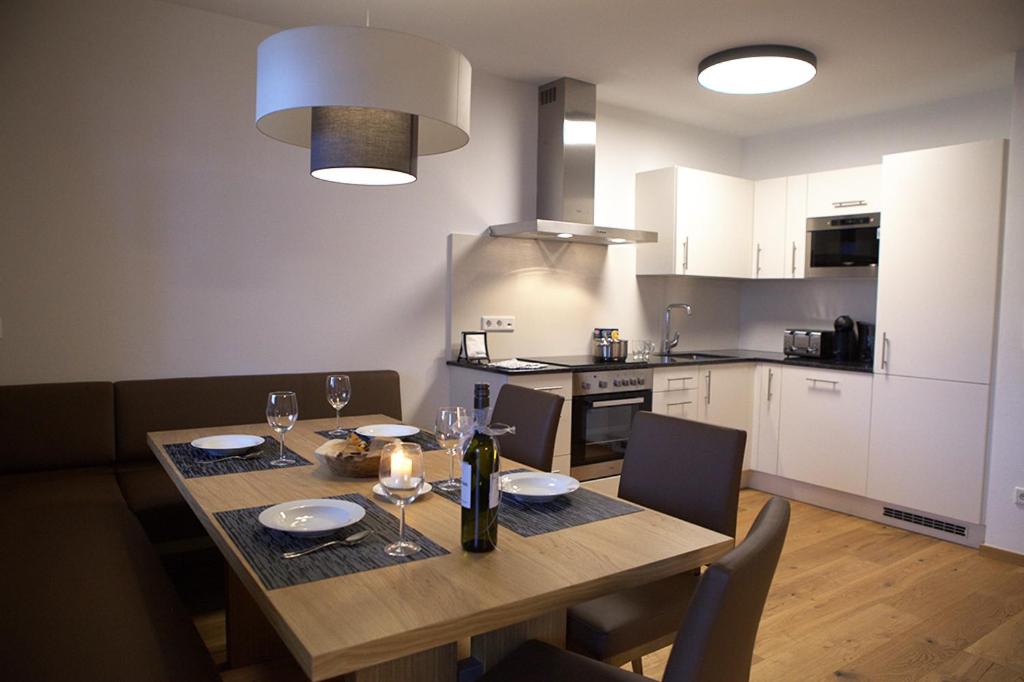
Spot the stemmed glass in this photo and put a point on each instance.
(401, 476)
(339, 392)
(282, 411)
(452, 426)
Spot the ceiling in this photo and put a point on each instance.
(873, 55)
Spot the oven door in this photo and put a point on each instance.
(843, 247)
(600, 431)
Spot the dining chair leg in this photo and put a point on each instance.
(638, 666)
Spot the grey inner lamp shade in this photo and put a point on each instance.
(362, 146)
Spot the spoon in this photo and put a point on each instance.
(353, 539)
(244, 458)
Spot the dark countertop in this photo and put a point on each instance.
(730, 356)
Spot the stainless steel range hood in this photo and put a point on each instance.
(567, 137)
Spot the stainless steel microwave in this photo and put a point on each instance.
(843, 246)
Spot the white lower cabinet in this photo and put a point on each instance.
(928, 440)
(681, 404)
(767, 418)
(726, 399)
(823, 434)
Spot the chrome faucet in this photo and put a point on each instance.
(667, 343)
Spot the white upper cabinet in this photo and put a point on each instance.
(939, 261)
(703, 222)
(780, 228)
(769, 253)
(845, 191)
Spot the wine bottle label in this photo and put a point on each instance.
(495, 491)
(467, 478)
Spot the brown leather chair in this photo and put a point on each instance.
(683, 468)
(535, 415)
(716, 640)
(167, 404)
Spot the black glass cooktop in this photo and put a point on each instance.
(584, 361)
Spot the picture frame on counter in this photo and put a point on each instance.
(474, 348)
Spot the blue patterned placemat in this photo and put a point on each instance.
(426, 441)
(536, 518)
(194, 463)
(263, 547)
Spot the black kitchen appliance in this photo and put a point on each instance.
(865, 341)
(844, 339)
(808, 343)
(843, 246)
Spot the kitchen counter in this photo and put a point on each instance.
(687, 358)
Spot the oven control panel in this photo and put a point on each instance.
(612, 381)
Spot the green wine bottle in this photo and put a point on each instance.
(480, 493)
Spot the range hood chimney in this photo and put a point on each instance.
(566, 145)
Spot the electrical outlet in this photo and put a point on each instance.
(1018, 495)
(498, 323)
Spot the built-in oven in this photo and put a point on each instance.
(603, 406)
(843, 246)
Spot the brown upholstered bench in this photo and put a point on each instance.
(168, 404)
(82, 590)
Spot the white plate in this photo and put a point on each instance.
(379, 491)
(387, 431)
(537, 486)
(311, 518)
(231, 444)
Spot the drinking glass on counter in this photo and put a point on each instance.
(282, 411)
(401, 476)
(453, 426)
(339, 392)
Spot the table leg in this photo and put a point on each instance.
(490, 647)
(250, 636)
(433, 665)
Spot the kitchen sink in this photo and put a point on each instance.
(673, 358)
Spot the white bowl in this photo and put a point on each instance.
(311, 518)
(537, 486)
(387, 430)
(229, 444)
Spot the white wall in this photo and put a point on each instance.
(863, 140)
(148, 229)
(1004, 520)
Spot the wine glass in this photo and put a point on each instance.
(339, 392)
(401, 476)
(452, 426)
(282, 411)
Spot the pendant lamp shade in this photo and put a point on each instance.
(362, 98)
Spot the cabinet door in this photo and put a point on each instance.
(726, 395)
(682, 404)
(939, 262)
(656, 211)
(796, 226)
(845, 191)
(824, 428)
(559, 384)
(769, 252)
(928, 442)
(714, 215)
(767, 415)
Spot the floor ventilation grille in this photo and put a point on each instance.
(925, 521)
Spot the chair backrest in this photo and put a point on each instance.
(168, 404)
(56, 426)
(535, 415)
(716, 641)
(684, 468)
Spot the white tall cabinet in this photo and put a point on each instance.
(937, 288)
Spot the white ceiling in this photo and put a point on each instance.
(873, 55)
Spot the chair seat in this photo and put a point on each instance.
(540, 662)
(606, 627)
(159, 506)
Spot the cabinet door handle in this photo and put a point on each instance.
(885, 351)
(814, 382)
(685, 402)
(771, 374)
(849, 204)
(757, 267)
(686, 254)
(549, 388)
(793, 267)
(707, 383)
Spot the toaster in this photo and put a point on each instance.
(808, 343)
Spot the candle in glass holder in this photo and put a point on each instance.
(401, 468)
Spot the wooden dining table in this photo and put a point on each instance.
(415, 620)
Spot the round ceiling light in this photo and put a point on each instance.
(366, 102)
(757, 69)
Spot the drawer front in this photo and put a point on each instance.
(675, 379)
(681, 404)
(559, 384)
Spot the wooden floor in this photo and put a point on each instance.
(856, 600)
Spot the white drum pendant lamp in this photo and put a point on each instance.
(365, 101)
